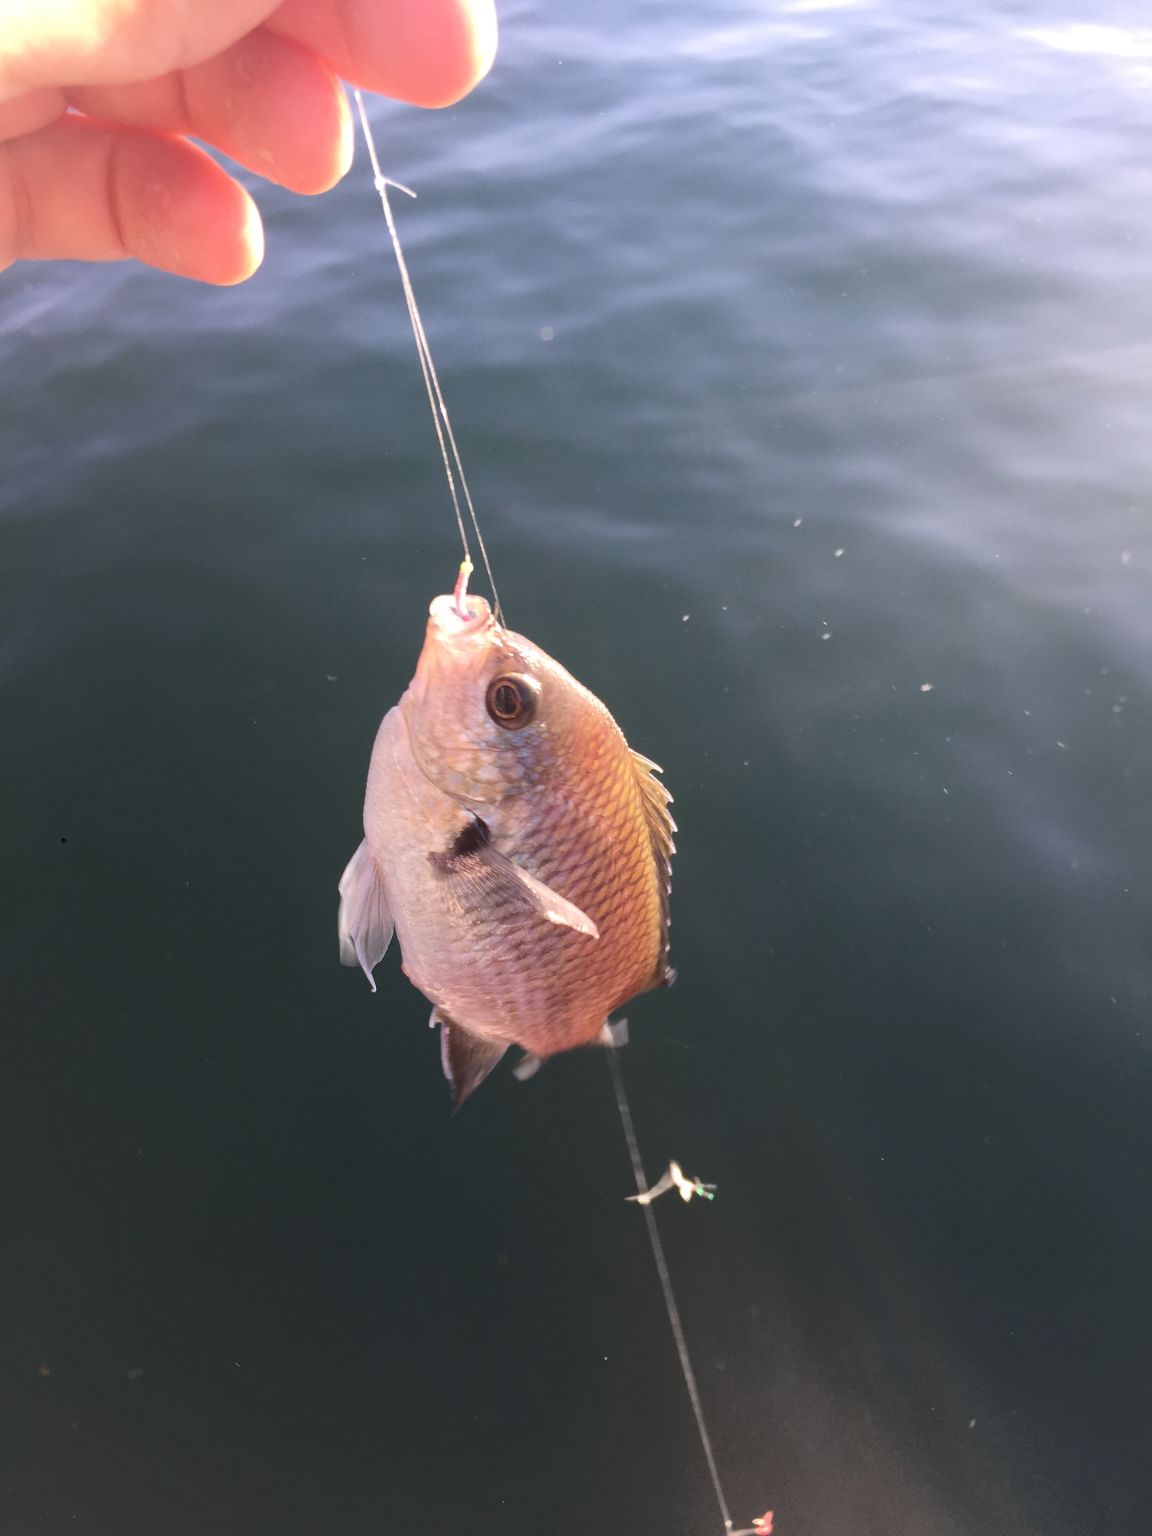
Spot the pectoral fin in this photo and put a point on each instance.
(365, 922)
(479, 874)
(466, 1057)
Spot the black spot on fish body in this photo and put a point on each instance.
(471, 837)
(489, 887)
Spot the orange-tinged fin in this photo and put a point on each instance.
(655, 801)
(483, 876)
(466, 1057)
(365, 922)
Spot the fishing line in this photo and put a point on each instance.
(666, 1286)
(454, 471)
(449, 453)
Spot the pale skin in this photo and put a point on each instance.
(117, 177)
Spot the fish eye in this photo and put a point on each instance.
(512, 699)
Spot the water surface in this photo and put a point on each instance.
(801, 358)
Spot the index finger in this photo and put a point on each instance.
(428, 52)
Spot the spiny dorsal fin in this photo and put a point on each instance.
(655, 801)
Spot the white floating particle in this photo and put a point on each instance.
(796, 521)
(684, 617)
(827, 635)
(1063, 745)
(547, 333)
(1125, 557)
(971, 1423)
(838, 553)
(927, 687)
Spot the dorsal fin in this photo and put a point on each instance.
(655, 800)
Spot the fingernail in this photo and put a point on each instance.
(252, 237)
(347, 139)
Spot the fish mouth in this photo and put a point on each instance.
(468, 645)
(455, 645)
(446, 623)
(456, 648)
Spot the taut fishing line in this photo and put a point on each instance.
(453, 465)
(458, 487)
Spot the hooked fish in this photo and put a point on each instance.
(515, 843)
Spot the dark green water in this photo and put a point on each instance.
(714, 297)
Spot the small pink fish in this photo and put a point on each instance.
(517, 846)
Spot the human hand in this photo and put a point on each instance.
(260, 80)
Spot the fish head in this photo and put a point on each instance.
(489, 714)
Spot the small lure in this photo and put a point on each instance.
(675, 1178)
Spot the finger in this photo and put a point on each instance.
(266, 102)
(86, 191)
(429, 52)
(32, 110)
(104, 41)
